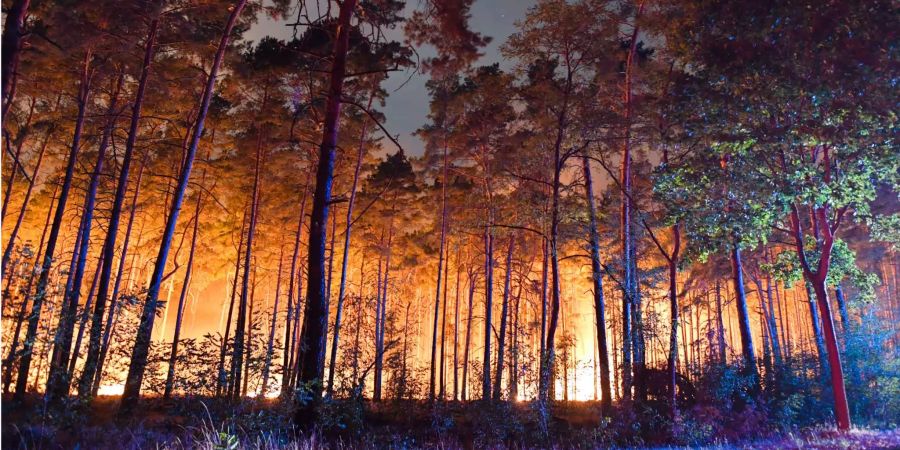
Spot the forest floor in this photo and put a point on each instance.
(265, 424)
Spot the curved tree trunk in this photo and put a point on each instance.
(110, 317)
(11, 238)
(59, 381)
(737, 275)
(41, 292)
(142, 342)
(93, 357)
(20, 319)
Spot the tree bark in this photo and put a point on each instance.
(92, 362)
(504, 308)
(437, 293)
(142, 342)
(59, 381)
(293, 309)
(597, 279)
(271, 341)
(110, 324)
(11, 238)
(173, 356)
(465, 370)
(360, 153)
(20, 318)
(41, 292)
(315, 320)
(237, 360)
(737, 275)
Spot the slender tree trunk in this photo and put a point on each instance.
(836, 370)
(271, 341)
(185, 286)
(465, 370)
(110, 324)
(11, 238)
(443, 361)
(382, 321)
(501, 337)
(376, 394)
(628, 291)
(20, 318)
(358, 383)
(237, 361)
(437, 293)
(93, 360)
(816, 327)
(224, 379)
(360, 153)
(85, 314)
(737, 275)
(842, 309)
(293, 307)
(41, 292)
(488, 309)
(142, 342)
(597, 278)
(59, 382)
(456, 327)
(241, 391)
(673, 306)
(720, 326)
(315, 320)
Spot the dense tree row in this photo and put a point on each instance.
(651, 194)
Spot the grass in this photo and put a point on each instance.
(203, 423)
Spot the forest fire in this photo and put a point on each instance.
(450, 224)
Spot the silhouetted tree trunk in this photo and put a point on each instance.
(473, 279)
(224, 380)
(440, 266)
(237, 361)
(504, 313)
(93, 360)
(293, 306)
(737, 274)
(271, 341)
(597, 278)
(488, 309)
(443, 361)
(360, 153)
(142, 342)
(85, 314)
(456, 328)
(41, 292)
(110, 323)
(241, 391)
(547, 370)
(20, 317)
(11, 238)
(59, 381)
(315, 320)
(185, 286)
